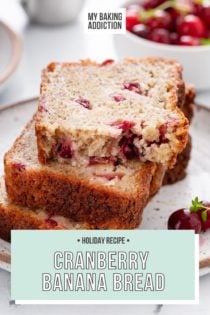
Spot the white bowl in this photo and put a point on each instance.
(195, 60)
(10, 52)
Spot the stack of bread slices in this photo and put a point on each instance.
(103, 140)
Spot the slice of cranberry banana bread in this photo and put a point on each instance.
(119, 110)
(13, 217)
(104, 194)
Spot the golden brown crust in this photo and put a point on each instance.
(63, 196)
(14, 218)
(176, 86)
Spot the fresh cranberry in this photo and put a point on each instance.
(42, 108)
(94, 160)
(84, 102)
(20, 167)
(132, 86)
(191, 25)
(118, 98)
(202, 10)
(64, 150)
(174, 38)
(205, 223)
(132, 19)
(188, 41)
(52, 223)
(110, 176)
(196, 8)
(107, 62)
(151, 4)
(124, 125)
(183, 219)
(128, 148)
(162, 132)
(205, 13)
(175, 15)
(160, 35)
(160, 19)
(141, 30)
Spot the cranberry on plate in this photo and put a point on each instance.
(196, 218)
(182, 219)
(203, 212)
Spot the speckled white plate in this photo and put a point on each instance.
(14, 117)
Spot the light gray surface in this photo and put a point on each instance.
(41, 45)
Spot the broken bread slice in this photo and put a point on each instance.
(119, 110)
(13, 217)
(107, 196)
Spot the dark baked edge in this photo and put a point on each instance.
(179, 171)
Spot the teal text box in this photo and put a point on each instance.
(122, 265)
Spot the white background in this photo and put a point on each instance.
(69, 42)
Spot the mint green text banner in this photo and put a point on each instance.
(109, 265)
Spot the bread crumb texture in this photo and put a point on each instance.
(126, 110)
